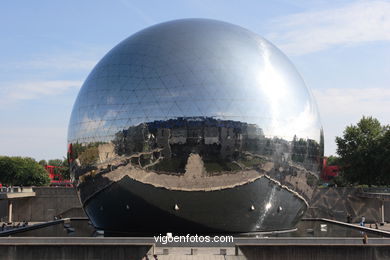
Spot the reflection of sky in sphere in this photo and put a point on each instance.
(194, 68)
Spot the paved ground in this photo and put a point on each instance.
(188, 251)
(198, 257)
(385, 227)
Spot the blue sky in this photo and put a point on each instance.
(47, 49)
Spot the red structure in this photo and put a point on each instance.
(329, 171)
(56, 179)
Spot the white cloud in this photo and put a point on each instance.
(342, 107)
(35, 74)
(14, 91)
(64, 61)
(355, 23)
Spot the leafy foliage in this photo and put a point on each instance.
(22, 171)
(62, 164)
(89, 156)
(42, 162)
(340, 180)
(364, 151)
(333, 160)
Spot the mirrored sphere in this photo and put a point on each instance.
(195, 126)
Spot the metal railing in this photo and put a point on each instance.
(13, 189)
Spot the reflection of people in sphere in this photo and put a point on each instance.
(365, 238)
(362, 222)
(349, 218)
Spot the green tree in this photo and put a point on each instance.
(42, 162)
(63, 167)
(384, 158)
(333, 160)
(362, 151)
(22, 171)
(55, 162)
(299, 149)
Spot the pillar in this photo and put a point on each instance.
(382, 211)
(9, 210)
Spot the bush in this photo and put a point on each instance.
(22, 171)
(340, 181)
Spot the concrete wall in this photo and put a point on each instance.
(316, 252)
(47, 203)
(336, 203)
(83, 252)
(333, 203)
(3, 210)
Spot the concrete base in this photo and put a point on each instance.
(96, 248)
(243, 252)
(46, 203)
(82, 252)
(315, 252)
(27, 248)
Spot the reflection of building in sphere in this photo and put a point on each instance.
(198, 114)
